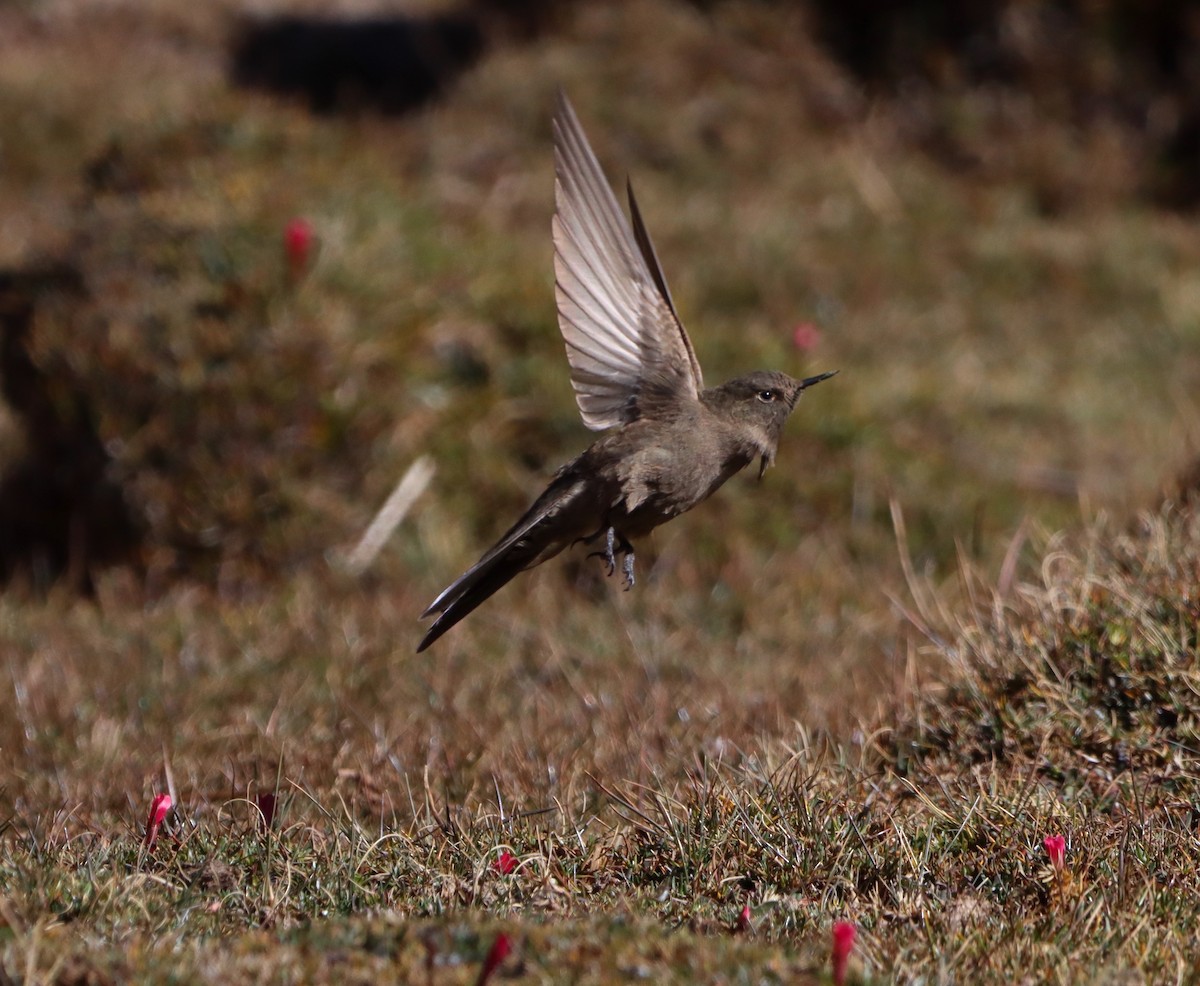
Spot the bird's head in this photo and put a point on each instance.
(759, 403)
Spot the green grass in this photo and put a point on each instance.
(829, 696)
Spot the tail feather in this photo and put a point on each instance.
(492, 572)
(469, 591)
(546, 528)
(556, 519)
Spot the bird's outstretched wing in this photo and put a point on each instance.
(626, 346)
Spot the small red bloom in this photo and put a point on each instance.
(298, 239)
(1056, 849)
(806, 336)
(265, 802)
(496, 954)
(505, 863)
(158, 811)
(743, 922)
(843, 945)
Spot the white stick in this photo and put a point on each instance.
(410, 487)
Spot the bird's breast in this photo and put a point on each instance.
(670, 472)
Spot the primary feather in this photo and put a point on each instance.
(625, 344)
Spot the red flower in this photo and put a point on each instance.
(496, 954)
(805, 336)
(1056, 849)
(843, 945)
(505, 863)
(158, 811)
(743, 922)
(265, 802)
(298, 240)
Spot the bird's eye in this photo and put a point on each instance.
(766, 396)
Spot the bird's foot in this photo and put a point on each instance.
(609, 553)
(615, 544)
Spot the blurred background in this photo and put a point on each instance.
(256, 258)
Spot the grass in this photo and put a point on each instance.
(866, 688)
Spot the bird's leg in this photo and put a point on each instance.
(627, 568)
(626, 549)
(615, 543)
(608, 554)
(610, 558)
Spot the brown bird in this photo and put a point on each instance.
(634, 370)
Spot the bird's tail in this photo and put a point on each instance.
(545, 529)
(528, 543)
(471, 589)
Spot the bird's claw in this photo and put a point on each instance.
(609, 553)
(627, 568)
(607, 558)
(614, 543)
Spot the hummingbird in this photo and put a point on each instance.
(670, 442)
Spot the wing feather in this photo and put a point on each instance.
(625, 343)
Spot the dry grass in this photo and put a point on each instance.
(793, 711)
(643, 813)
